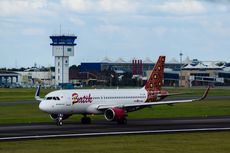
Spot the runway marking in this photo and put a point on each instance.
(111, 133)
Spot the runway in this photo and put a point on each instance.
(101, 128)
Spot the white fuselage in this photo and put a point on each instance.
(87, 101)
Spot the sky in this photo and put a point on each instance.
(114, 28)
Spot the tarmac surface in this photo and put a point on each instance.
(102, 128)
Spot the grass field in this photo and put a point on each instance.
(27, 113)
(22, 94)
(200, 91)
(212, 142)
(19, 94)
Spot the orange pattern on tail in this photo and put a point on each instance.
(155, 81)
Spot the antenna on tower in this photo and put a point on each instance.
(16, 64)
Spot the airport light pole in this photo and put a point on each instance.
(180, 81)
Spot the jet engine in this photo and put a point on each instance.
(115, 114)
(55, 116)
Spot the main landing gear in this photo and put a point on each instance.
(85, 119)
(59, 120)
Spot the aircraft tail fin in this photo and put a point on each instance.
(155, 80)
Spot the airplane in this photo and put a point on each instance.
(113, 103)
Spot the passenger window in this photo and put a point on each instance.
(57, 98)
(54, 98)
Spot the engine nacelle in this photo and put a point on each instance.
(55, 116)
(115, 114)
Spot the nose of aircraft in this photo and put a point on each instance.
(43, 106)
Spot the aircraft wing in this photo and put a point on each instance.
(173, 94)
(103, 107)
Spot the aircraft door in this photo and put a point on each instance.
(68, 103)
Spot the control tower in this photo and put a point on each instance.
(62, 48)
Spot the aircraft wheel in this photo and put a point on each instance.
(59, 120)
(59, 123)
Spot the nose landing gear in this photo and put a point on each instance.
(59, 120)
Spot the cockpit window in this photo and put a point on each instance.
(52, 98)
(48, 98)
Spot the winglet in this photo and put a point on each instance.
(37, 94)
(205, 93)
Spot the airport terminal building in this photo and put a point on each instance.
(186, 74)
(112, 73)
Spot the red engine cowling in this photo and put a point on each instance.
(115, 114)
(54, 116)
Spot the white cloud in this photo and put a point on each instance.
(183, 6)
(110, 29)
(78, 5)
(77, 21)
(33, 31)
(160, 31)
(118, 5)
(219, 6)
(110, 6)
(16, 7)
(222, 8)
(218, 28)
